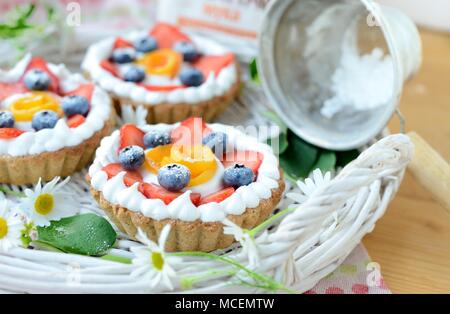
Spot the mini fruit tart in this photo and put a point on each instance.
(174, 76)
(191, 175)
(51, 121)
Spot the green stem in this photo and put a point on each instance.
(270, 221)
(117, 259)
(8, 191)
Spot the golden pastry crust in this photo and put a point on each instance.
(171, 113)
(47, 165)
(189, 236)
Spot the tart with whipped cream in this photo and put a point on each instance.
(51, 121)
(172, 75)
(191, 175)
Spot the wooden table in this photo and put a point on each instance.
(412, 241)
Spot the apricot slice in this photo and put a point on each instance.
(161, 62)
(25, 108)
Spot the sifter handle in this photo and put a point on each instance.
(431, 170)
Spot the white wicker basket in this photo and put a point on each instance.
(304, 247)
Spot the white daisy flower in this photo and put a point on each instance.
(152, 263)
(129, 115)
(247, 242)
(48, 202)
(10, 227)
(311, 184)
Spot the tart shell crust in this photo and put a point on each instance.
(189, 236)
(47, 165)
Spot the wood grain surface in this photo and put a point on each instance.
(412, 241)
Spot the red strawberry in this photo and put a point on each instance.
(190, 131)
(9, 133)
(250, 159)
(110, 67)
(218, 196)
(151, 190)
(7, 90)
(162, 88)
(167, 35)
(122, 43)
(75, 121)
(85, 90)
(130, 178)
(40, 64)
(208, 64)
(131, 135)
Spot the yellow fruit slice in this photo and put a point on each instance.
(154, 157)
(203, 177)
(161, 62)
(197, 158)
(25, 108)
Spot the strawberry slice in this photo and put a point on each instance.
(190, 131)
(214, 64)
(9, 133)
(75, 121)
(7, 90)
(38, 63)
(122, 43)
(167, 35)
(162, 88)
(250, 159)
(218, 196)
(130, 178)
(151, 190)
(85, 90)
(131, 135)
(110, 67)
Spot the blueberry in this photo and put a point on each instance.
(44, 119)
(191, 77)
(6, 119)
(187, 49)
(134, 74)
(237, 176)
(217, 141)
(146, 44)
(155, 138)
(37, 80)
(123, 55)
(75, 104)
(174, 177)
(131, 157)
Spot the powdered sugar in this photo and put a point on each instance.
(360, 83)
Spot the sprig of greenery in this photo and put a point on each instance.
(18, 22)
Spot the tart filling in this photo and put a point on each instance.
(161, 66)
(44, 108)
(184, 178)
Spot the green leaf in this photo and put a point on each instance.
(254, 71)
(86, 234)
(345, 157)
(326, 161)
(299, 158)
(281, 141)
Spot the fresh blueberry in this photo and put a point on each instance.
(45, 119)
(217, 141)
(146, 44)
(187, 49)
(174, 177)
(6, 119)
(134, 74)
(123, 55)
(131, 157)
(155, 138)
(191, 77)
(37, 80)
(75, 104)
(237, 176)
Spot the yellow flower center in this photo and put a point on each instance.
(44, 204)
(157, 260)
(3, 228)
